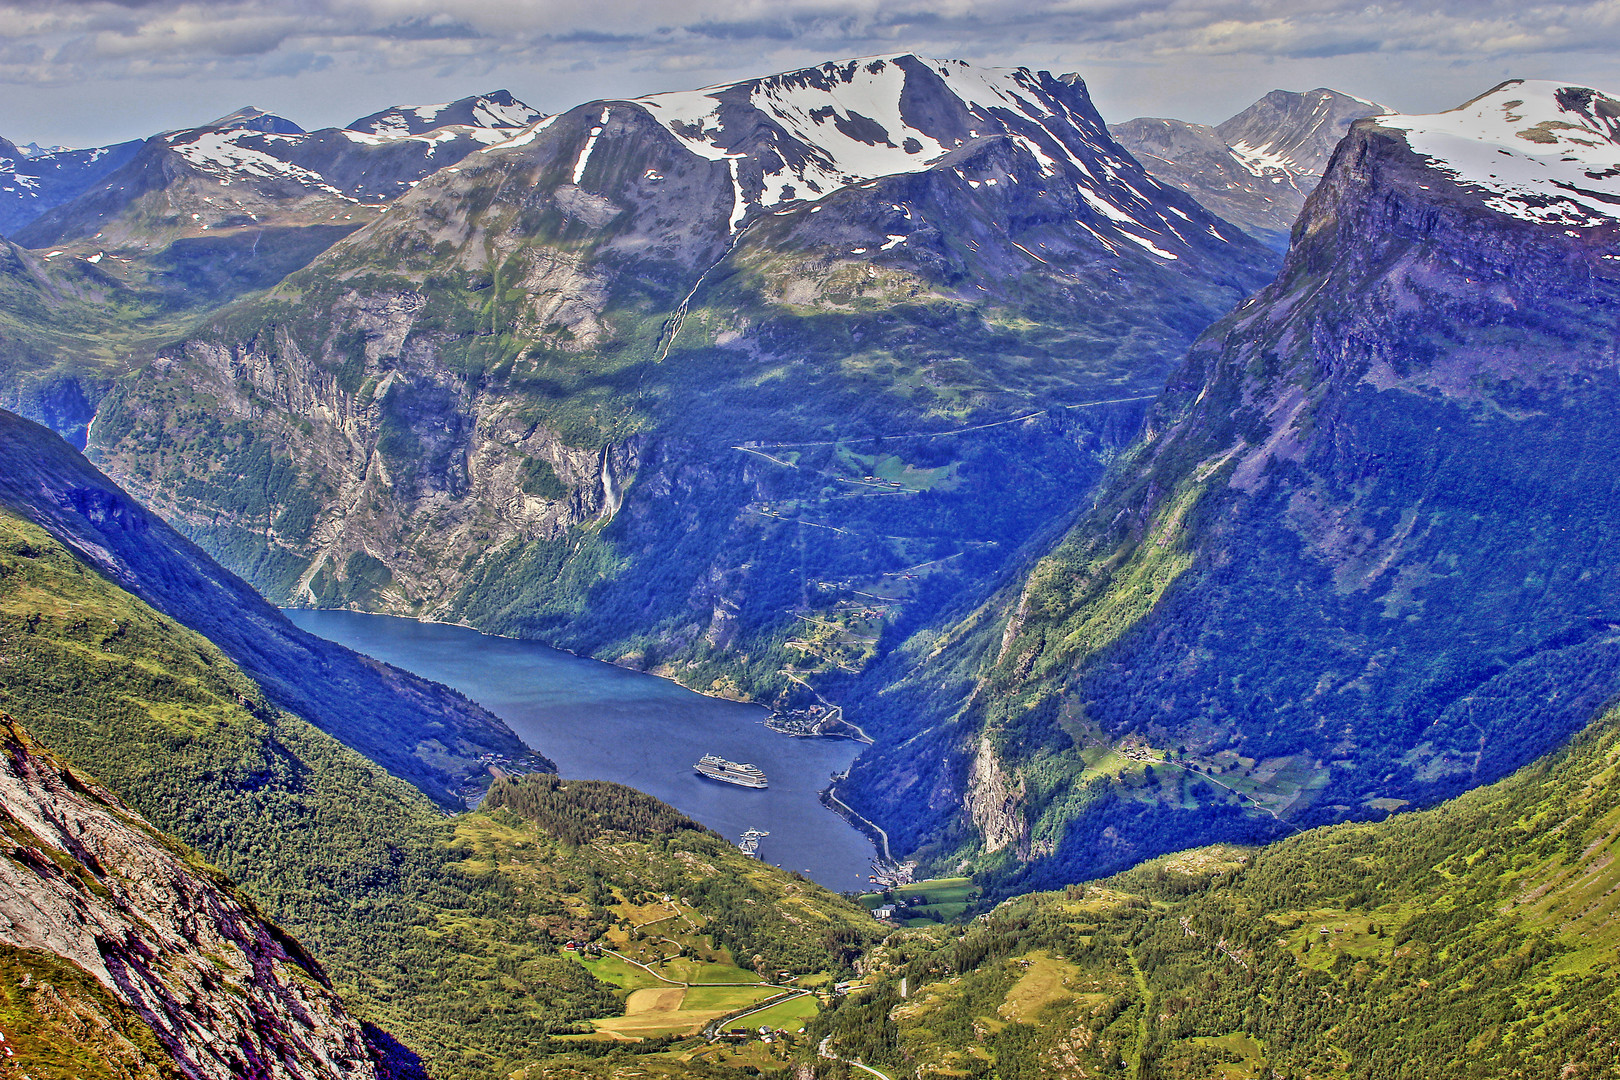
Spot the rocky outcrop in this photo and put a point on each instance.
(994, 801)
(227, 994)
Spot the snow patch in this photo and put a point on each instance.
(1542, 151)
(1148, 244)
(841, 124)
(590, 144)
(1262, 161)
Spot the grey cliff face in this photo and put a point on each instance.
(227, 994)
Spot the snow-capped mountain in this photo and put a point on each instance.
(1293, 135)
(35, 179)
(1388, 463)
(495, 110)
(797, 137)
(252, 168)
(1256, 168)
(1541, 151)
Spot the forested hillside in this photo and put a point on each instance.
(1475, 940)
(1362, 560)
(420, 731)
(446, 931)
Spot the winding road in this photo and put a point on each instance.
(830, 1056)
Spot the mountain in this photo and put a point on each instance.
(1256, 168)
(186, 978)
(146, 234)
(1357, 561)
(495, 111)
(62, 325)
(34, 180)
(687, 381)
(422, 732)
(447, 930)
(1473, 940)
(204, 214)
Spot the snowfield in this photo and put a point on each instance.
(1543, 151)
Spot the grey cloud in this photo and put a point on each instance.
(594, 37)
(422, 28)
(769, 30)
(1326, 49)
(1297, 28)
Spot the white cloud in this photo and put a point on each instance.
(1198, 58)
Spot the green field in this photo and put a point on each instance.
(723, 999)
(922, 903)
(698, 971)
(612, 970)
(790, 1015)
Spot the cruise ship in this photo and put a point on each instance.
(718, 768)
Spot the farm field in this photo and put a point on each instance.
(790, 1015)
(923, 903)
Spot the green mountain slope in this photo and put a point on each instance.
(1477, 939)
(447, 931)
(420, 731)
(66, 1026)
(1362, 559)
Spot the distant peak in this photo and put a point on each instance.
(497, 110)
(250, 118)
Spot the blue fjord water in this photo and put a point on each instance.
(600, 722)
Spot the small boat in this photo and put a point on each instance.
(730, 772)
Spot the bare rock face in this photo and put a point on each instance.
(993, 801)
(228, 994)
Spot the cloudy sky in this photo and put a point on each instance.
(87, 72)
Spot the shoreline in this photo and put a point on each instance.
(870, 832)
(530, 641)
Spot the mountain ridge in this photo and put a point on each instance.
(1325, 480)
(1257, 167)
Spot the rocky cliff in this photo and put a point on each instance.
(226, 994)
(1357, 562)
